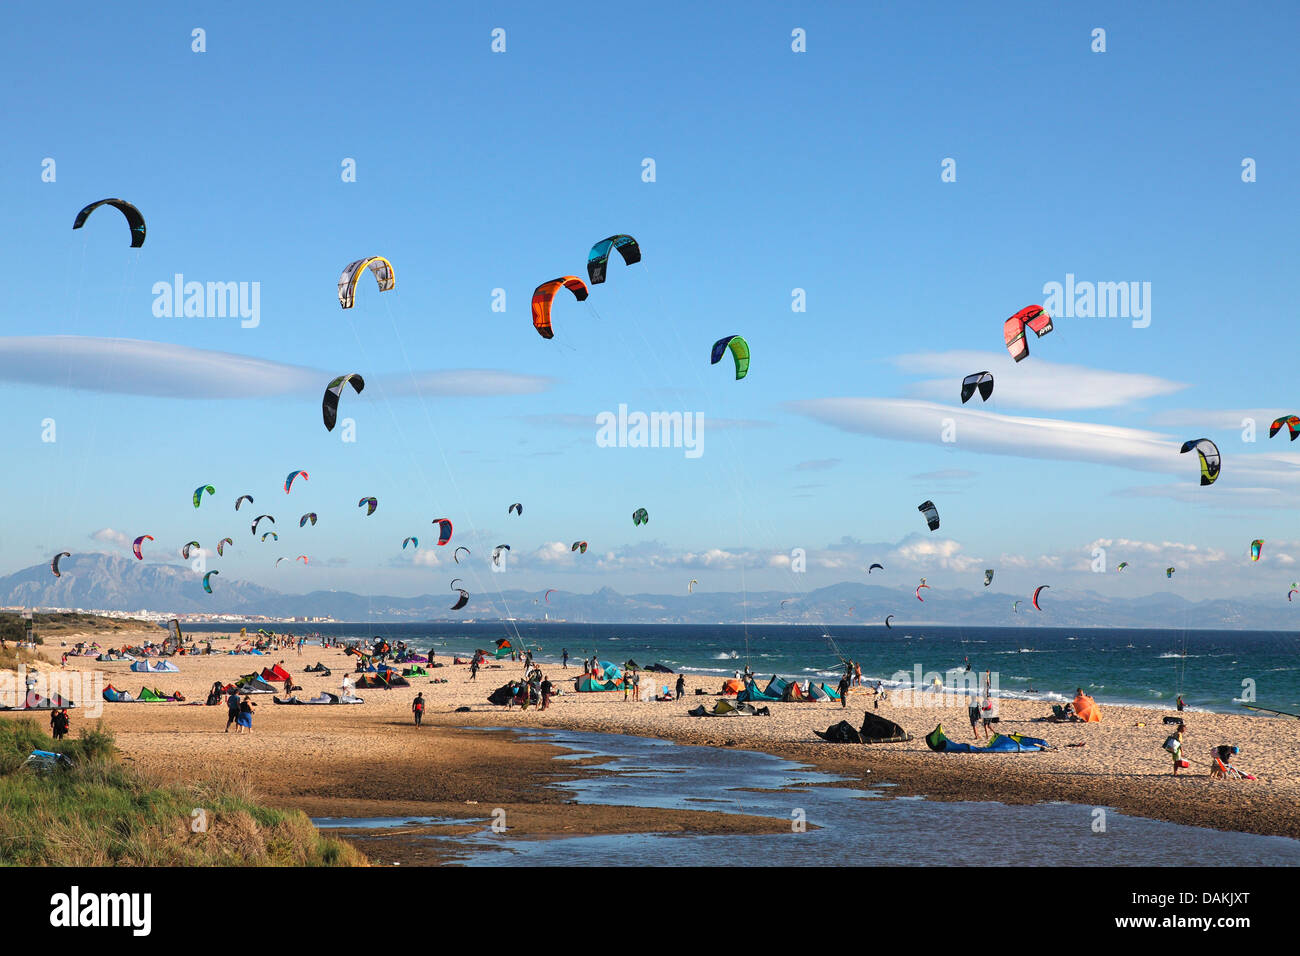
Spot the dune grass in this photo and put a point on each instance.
(103, 813)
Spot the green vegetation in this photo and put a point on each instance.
(102, 813)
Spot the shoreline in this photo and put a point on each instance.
(369, 760)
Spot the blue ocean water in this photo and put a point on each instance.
(1147, 667)
(845, 825)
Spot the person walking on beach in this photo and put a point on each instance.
(564, 656)
(547, 689)
(973, 711)
(417, 708)
(245, 718)
(232, 710)
(681, 686)
(844, 690)
(1174, 744)
(473, 668)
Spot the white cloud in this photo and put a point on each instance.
(112, 537)
(1034, 384)
(164, 370)
(817, 464)
(1050, 438)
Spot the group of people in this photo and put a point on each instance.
(239, 711)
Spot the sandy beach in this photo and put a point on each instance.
(369, 760)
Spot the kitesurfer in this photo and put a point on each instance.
(844, 690)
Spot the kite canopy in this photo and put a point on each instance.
(189, 548)
(1169, 572)
(198, 493)
(888, 618)
(207, 586)
(412, 540)
(1122, 565)
(329, 407)
(135, 546)
(981, 381)
(1255, 547)
(1032, 317)
(241, 499)
(739, 351)
(579, 546)
(288, 482)
(456, 554)
(382, 269)
(516, 508)
(640, 517)
(1208, 452)
(221, 545)
(309, 516)
(931, 513)
(690, 588)
(259, 519)
(54, 565)
(444, 531)
(874, 566)
(988, 577)
(1037, 591)
(370, 504)
(598, 258)
(938, 741)
(544, 295)
(496, 553)
(133, 218)
(1292, 423)
(918, 590)
(460, 601)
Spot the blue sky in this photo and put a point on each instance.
(774, 171)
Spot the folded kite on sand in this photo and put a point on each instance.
(875, 730)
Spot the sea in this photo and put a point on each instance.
(1212, 670)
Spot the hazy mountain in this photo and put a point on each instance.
(115, 583)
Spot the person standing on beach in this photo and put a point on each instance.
(417, 708)
(681, 686)
(636, 685)
(844, 690)
(473, 668)
(232, 710)
(547, 689)
(1180, 703)
(564, 656)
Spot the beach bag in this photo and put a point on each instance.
(1172, 744)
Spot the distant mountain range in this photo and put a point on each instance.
(114, 583)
